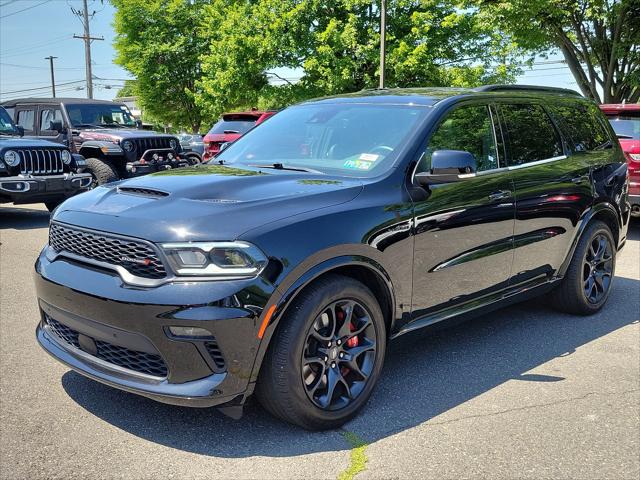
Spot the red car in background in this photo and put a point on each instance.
(625, 120)
(231, 127)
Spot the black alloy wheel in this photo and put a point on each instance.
(339, 354)
(597, 268)
(587, 281)
(326, 354)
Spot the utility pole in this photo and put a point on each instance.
(87, 43)
(53, 79)
(383, 28)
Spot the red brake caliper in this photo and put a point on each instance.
(353, 341)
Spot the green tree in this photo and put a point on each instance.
(336, 44)
(156, 42)
(599, 39)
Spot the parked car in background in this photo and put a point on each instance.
(105, 133)
(625, 120)
(286, 266)
(192, 146)
(230, 127)
(35, 171)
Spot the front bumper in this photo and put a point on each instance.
(156, 160)
(35, 189)
(99, 308)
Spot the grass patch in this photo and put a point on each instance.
(358, 456)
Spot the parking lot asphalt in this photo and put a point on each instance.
(524, 392)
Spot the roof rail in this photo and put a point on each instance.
(525, 88)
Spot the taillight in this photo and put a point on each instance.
(634, 156)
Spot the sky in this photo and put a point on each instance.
(33, 29)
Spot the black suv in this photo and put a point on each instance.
(34, 171)
(105, 133)
(287, 263)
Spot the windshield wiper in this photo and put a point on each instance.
(84, 125)
(228, 132)
(282, 166)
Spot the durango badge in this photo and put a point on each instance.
(139, 261)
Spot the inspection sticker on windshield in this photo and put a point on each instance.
(369, 157)
(357, 164)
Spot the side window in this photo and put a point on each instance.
(10, 111)
(582, 125)
(469, 129)
(531, 135)
(25, 119)
(46, 117)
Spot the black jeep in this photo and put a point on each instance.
(33, 171)
(105, 133)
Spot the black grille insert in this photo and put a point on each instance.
(141, 362)
(138, 258)
(215, 354)
(150, 143)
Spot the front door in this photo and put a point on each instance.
(464, 230)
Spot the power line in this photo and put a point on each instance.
(24, 9)
(8, 3)
(40, 88)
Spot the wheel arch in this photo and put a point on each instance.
(360, 268)
(603, 211)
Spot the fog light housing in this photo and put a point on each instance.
(190, 332)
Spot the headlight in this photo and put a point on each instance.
(127, 146)
(66, 157)
(215, 259)
(173, 144)
(11, 158)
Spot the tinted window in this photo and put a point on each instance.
(25, 119)
(626, 125)
(6, 125)
(530, 134)
(582, 125)
(346, 139)
(46, 117)
(469, 129)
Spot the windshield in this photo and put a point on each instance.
(627, 125)
(87, 115)
(345, 139)
(6, 125)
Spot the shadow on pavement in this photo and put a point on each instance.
(23, 218)
(425, 375)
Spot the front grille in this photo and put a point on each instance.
(215, 354)
(142, 362)
(150, 143)
(41, 161)
(138, 258)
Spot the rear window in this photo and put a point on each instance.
(234, 124)
(582, 125)
(531, 135)
(626, 125)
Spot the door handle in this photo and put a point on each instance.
(500, 195)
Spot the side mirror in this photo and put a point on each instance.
(139, 124)
(20, 130)
(448, 166)
(56, 126)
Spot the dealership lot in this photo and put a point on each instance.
(524, 392)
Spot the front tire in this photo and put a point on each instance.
(102, 171)
(326, 356)
(587, 283)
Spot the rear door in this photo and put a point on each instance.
(463, 230)
(552, 189)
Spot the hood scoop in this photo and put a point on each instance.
(143, 192)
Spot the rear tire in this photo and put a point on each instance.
(299, 367)
(587, 283)
(102, 171)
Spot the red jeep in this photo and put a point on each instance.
(231, 127)
(625, 120)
